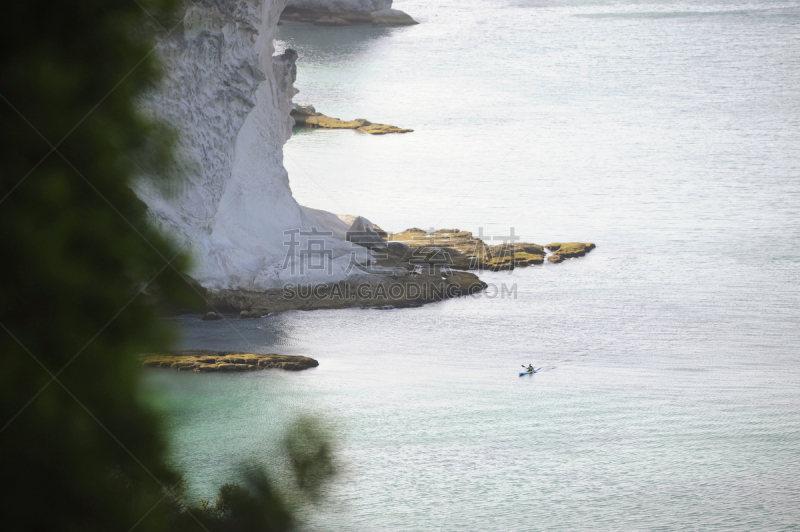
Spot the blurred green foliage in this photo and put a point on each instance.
(81, 451)
(255, 504)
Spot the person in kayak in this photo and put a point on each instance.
(530, 368)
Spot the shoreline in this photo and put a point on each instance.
(412, 268)
(412, 289)
(306, 115)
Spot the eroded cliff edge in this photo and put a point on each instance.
(229, 97)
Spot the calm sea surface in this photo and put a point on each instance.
(666, 133)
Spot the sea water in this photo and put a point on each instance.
(666, 133)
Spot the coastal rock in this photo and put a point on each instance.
(252, 314)
(568, 250)
(306, 116)
(392, 17)
(382, 129)
(390, 282)
(305, 109)
(211, 316)
(201, 360)
(511, 261)
(331, 21)
(329, 122)
(363, 234)
(462, 251)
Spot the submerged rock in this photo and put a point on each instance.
(202, 360)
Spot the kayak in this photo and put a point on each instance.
(529, 372)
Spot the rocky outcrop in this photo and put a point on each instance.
(402, 290)
(363, 233)
(306, 116)
(204, 361)
(319, 12)
(568, 250)
(392, 17)
(252, 314)
(380, 274)
(228, 97)
(405, 269)
(462, 251)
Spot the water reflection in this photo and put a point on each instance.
(262, 336)
(324, 44)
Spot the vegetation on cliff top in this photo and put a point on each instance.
(79, 261)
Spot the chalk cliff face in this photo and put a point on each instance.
(229, 98)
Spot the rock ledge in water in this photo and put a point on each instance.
(461, 250)
(305, 115)
(568, 250)
(204, 360)
(392, 17)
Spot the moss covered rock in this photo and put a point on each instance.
(382, 129)
(466, 252)
(204, 361)
(568, 250)
(305, 115)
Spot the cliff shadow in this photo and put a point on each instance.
(332, 44)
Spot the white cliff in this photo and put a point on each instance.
(229, 98)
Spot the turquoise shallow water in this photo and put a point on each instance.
(667, 133)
